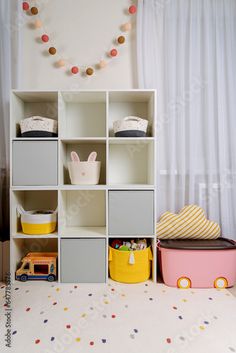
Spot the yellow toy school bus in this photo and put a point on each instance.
(38, 266)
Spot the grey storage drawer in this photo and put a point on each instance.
(34, 163)
(131, 212)
(83, 260)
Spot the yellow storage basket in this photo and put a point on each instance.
(130, 266)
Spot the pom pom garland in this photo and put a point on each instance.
(89, 71)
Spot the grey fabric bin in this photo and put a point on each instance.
(131, 212)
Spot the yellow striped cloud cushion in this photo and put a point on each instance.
(189, 223)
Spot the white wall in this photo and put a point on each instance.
(82, 30)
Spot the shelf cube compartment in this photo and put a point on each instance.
(83, 148)
(21, 247)
(31, 200)
(83, 213)
(131, 213)
(140, 104)
(83, 114)
(131, 162)
(27, 104)
(34, 163)
(83, 260)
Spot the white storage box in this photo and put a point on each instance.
(37, 222)
(130, 126)
(84, 173)
(38, 126)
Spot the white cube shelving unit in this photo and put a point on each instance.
(88, 215)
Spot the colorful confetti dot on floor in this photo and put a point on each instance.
(168, 340)
(45, 321)
(135, 330)
(65, 309)
(175, 308)
(68, 326)
(104, 340)
(113, 316)
(37, 341)
(27, 309)
(91, 343)
(206, 322)
(180, 317)
(78, 339)
(232, 349)
(52, 338)
(14, 332)
(55, 303)
(202, 327)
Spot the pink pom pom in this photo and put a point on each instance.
(45, 38)
(113, 52)
(74, 70)
(25, 6)
(132, 9)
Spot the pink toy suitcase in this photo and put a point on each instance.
(198, 263)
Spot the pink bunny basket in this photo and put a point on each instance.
(86, 172)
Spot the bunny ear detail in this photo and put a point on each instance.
(92, 157)
(74, 157)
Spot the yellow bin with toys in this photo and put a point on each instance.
(130, 266)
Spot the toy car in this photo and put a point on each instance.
(38, 266)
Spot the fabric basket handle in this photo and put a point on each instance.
(150, 256)
(36, 118)
(20, 209)
(132, 118)
(110, 255)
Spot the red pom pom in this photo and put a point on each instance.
(45, 38)
(132, 9)
(25, 6)
(113, 52)
(74, 70)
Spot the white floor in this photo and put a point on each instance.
(140, 318)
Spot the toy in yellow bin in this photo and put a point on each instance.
(38, 265)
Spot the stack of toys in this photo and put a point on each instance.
(138, 244)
